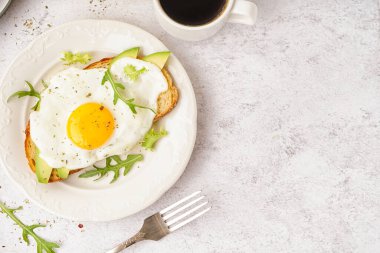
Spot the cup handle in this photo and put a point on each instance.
(243, 12)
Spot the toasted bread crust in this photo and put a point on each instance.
(103, 63)
(166, 101)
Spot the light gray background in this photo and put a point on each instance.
(288, 148)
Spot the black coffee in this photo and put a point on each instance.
(193, 12)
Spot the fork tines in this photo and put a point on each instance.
(184, 211)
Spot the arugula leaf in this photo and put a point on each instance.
(28, 230)
(117, 164)
(116, 86)
(151, 137)
(133, 73)
(32, 92)
(70, 58)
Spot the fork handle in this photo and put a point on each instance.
(136, 238)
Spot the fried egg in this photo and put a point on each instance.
(78, 124)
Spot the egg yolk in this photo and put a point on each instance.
(90, 126)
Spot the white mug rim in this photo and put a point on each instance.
(214, 22)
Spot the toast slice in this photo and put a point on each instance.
(166, 101)
(30, 151)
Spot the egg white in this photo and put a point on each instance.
(73, 87)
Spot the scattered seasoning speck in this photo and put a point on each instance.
(80, 225)
(28, 23)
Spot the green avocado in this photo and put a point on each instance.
(43, 170)
(132, 53)
(63, 173)
(159, 58)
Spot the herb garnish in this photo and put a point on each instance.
(151, 137)
(70, 58)
(32, 92)
(132, 73)
(117, 164)
(45, 84)
(116, 86)
(28, 230)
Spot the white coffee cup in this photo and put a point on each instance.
(235, 11)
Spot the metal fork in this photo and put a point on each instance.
(168, 220)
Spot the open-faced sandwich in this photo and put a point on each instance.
(97, 113)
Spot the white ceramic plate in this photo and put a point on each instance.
(79, 198)
(4, 4)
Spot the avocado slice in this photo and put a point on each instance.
(159, 58)
(43, 170)
(132, 53)
(63, 173)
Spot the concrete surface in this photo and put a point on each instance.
(288, 148)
